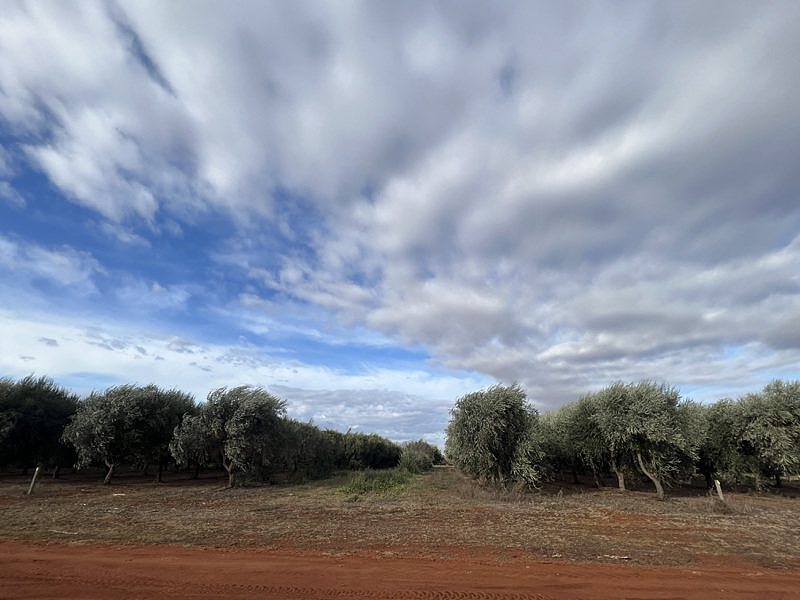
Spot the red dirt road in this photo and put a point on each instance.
(40, 571)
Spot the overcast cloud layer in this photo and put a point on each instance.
(447, 194)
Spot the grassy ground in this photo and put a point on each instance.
(425, 515)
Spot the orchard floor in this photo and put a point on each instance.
(442, 537)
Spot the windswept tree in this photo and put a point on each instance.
(256, 432)
(239, 428)
(718, 452)
(492, 435)
(191, 444)
(649, 425)
(768, 429)
(580, 442)
(33, 414)
(162, 411)
(126, 423)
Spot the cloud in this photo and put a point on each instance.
(62, 266)
(562, 195)
(8, 193)
(400, 403)
(137, 294)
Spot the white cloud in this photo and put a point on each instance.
(8, 193)
(559, 195)
(414, 401)
(64, 266)
(137, 294)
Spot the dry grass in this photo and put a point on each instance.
(434, 513)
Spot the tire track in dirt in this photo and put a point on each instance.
(96, 572)
(148, 587)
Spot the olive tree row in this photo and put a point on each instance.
(246, 430)
(625, 428)
(756, 436)
(629, 429)
(243, 430)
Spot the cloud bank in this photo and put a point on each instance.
(558, 194)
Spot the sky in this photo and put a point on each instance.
(373, 208)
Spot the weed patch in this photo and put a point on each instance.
(386, 482)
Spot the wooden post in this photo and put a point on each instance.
(719, 490)
(33, 481)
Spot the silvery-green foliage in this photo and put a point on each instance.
(768, 430)
(581, 435)
(485, 432)
(242, 428)
(191, 443)
(126, 423)
(255, 433)
(649, 419)
(104, 427)
(530, 460)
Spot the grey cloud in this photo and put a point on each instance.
(560, 194)
(49, 341)
(183, 346)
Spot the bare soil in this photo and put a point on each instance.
(442, 537)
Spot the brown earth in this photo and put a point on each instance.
(58, 571)
(443, 536)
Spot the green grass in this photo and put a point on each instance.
(386, 482)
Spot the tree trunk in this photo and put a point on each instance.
(757, 480)
(196, 472)
(231, 470)
(778, 481)
(160, 474)
(709, 479)
(575, 476)
(596, 480)
(56, 471)
(652, 477)
(107, 480)
(620, 475)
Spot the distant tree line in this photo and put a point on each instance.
(628, 430)
(243, 430)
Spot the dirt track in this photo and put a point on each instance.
(29, 570)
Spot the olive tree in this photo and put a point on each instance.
(33, 413)
(239, 427)
(256, 434)
(492, 435)
(648, 423)
(581, 441)
(768, 429)
(126, 423)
